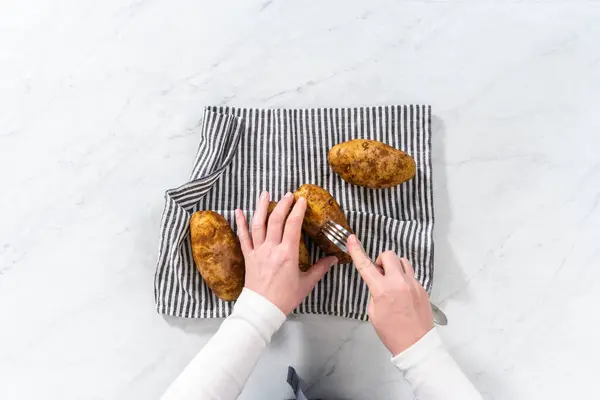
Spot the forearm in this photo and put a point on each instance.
(432, 372)
(221, 368)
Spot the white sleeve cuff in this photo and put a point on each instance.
(431, 371)
(259, 312)
(419, 351)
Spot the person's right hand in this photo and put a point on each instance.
(399, 307)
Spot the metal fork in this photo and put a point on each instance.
(338, 235)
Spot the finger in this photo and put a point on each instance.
(408, 269)
(411, 278)
(243, 234)
(318, 271)
(259, 226)
(277, 219)
(390, 263)
(363, 263)
(416, 285)
(421, 290)
(293, 225)
(379, 265)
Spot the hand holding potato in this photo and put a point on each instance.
(271, 253)
(303, 254)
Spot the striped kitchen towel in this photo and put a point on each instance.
(244, 151)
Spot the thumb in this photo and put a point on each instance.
(317, 271)
(363, 263)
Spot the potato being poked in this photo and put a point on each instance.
(217, 254)
(371, 163)
(320, 208)
(303, 254)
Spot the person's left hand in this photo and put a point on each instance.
(271, 253)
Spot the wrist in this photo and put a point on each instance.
(399, 344)
(418, 351)
(272, 296)
(259, 310)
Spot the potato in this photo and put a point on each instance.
(320, 208)
(217, 254)
(371, 163)
(303, 255)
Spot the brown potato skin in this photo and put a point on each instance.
(320, 208)
(371, 163)
(217, 254)
(303, 254)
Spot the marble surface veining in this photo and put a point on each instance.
(98, 101)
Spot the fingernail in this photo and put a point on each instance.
(353, 241)
(288, 195)
(264, 194)
(334, 261)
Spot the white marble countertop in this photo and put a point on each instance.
(98, 100)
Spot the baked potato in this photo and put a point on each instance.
(371, 163)
(303, 255)
(217, 254)
(320, 208)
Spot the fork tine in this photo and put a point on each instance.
(337, 234)
(336, 241)
(336, 237)
(340, 228)
(332, 238)
(332, 226)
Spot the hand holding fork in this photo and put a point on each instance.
(385, 264)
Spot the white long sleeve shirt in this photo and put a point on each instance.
(221, 368)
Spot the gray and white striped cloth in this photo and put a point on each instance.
(244, 151)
